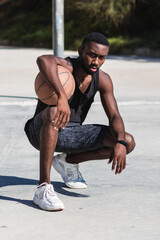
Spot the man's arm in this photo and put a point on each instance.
(48, 68)
(118, 156)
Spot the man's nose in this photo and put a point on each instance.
(95, 61)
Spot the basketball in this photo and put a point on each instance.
(47, 94)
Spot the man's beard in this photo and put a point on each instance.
(87, 70)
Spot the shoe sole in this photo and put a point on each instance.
(38, 203)
(60, 170)
(73, 187)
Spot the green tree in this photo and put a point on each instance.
(104, 16)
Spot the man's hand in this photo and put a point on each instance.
(118, 158)
(62, 116)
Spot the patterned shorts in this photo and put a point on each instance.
(75, 138)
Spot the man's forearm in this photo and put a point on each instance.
(48, 68)
(117, 128)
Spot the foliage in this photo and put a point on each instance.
(132, 19)
(91, 15)
(28, 23)
(127, 23)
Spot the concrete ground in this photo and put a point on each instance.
(113, 207)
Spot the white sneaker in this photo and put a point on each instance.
(69, 172)
(46, 198)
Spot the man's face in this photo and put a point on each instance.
(92, 56)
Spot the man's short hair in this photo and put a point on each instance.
(95, 37)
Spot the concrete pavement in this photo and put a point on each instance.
(112, 207)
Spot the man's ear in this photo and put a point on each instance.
(80, 50)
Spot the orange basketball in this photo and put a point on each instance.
(47, 94)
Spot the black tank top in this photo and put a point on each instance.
(79, 103)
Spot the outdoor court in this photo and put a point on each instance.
(113, 207)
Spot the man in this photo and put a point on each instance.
(59, 128)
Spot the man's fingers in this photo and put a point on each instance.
(124, 163)
(114, 163)
(109, 161)
(59, 121)
(55, 119)
(111, 158)
(66, 122)
(121, 168)
(118, 167)
(118, 158)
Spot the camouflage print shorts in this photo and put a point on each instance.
(75, 138)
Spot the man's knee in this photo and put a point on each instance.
(48, 115)
(130, 142)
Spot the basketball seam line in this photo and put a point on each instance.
(40, 86)
(62, 86)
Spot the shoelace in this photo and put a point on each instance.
(49, 191)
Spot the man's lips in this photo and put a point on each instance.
(93, 68)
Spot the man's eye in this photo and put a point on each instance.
(93, 55)
(102, 57)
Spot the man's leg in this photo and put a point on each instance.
(104, 153)
(45, 197)
(79, 141)
(48, 141)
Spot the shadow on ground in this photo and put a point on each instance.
(59, 187)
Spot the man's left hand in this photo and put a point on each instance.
(118, 158)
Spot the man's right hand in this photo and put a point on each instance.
(62, 116)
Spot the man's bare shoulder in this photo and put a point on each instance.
(58, 60)
(65, 62)
(105, 82)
